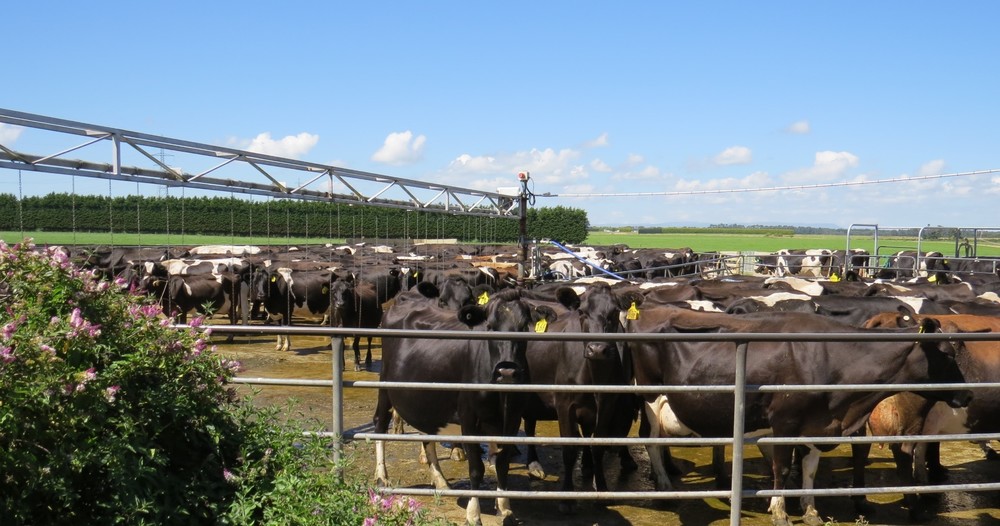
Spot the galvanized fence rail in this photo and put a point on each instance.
(738, 441)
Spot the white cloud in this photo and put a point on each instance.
(293, 146)
(647, 173)
(799, 127)
(754, 180)
(9, 133)
(549, 169)
(934, 167)
(400, 148)
(734, 155)
(598, 165)
(634, 159)
(598, 142)
(827, 167)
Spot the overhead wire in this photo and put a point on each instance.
(776, 188)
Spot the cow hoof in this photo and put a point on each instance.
(510, 520)
(780, 521)
(535, 470)
(457, 454)
(357, 367)
(811, 518)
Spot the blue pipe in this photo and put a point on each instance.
(584, 261)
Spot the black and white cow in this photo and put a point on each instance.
(285, 294)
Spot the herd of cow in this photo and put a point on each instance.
(460, 288)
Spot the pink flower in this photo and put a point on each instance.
(7, 355)
(111, 393)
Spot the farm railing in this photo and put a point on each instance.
(738, 441)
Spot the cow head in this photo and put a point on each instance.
(941, 357)
(599, 312)
(504, 312)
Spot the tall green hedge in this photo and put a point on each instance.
(273, 218)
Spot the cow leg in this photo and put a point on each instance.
(381, 473)
(810, 464)
(859, 460)
(780, 460)
(368, 355)
(722, 478)
(535, 468)
(936, 472)
(569, 455)
(655, 452)
(477, 471)
(905, 471)
(502, 466)
(437, 476)
(357, 353)
(383, 414)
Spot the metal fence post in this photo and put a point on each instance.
(337, 424)
(739, 406)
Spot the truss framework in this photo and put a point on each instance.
(362, 188)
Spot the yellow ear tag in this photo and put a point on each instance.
(834, 278)
(920, 330)
(326, 290)
(541, 325)
(633, 313)
(484, 298)
(274, 279)
(933, 278)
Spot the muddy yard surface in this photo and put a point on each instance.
(311, 359)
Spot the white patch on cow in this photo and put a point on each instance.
(802, 285)
(818, 252)
(187, 289)
(235, 250)
(665, 420)
(703, 305)
(946, 420)
(914, 303)
(772, 299)
(656, 284)
(148, 265)
(812, 266)
(588, 280)
(990, 296)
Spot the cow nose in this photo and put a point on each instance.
(507, 373)
(961, 399)
(597, 351)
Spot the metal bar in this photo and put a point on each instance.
(257, 161)
(337, 423)
(611, 337)
(739, 407)
(64, 152)
(644, 389)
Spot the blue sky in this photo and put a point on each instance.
(591, 98)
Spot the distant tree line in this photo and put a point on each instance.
(61, 212)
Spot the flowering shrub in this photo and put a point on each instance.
(108, 416)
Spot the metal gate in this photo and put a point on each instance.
(735, 494)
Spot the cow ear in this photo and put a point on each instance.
(472, 315)
(629, 298)
(929, 325)
(428, 289)
(568, 298)
(174, 286)
(543, 312)
(906, 317)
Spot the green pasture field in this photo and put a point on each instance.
(697, 242)
(766, 243)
